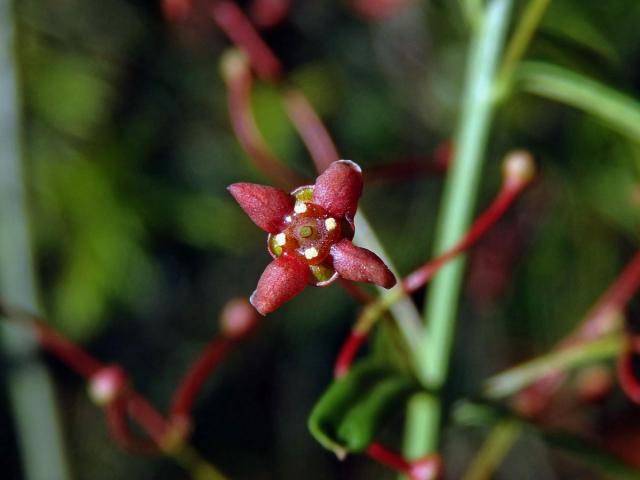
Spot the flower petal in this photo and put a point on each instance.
(266, 206)
(283, 279)
(360, 265)
(339, 188)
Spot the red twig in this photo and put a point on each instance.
(72, 355)
(599, 320)
(197, 375)
(269, 13)
(358, 293)
(436, 164)
(232, 20)
(518, 171)
(347, 353)
(239, 85)
(314, 134)
(480, 227)
(426, 468)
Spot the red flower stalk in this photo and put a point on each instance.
(232, 20)
(236, 73)
(425, 468)
(628, 367)
(601, 319)
(269, 13)
(310, 232)
(518, 171)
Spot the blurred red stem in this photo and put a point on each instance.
(233, 21)
(348, 352)
(599, 320)
(239, 85)
(505, 198)
(197, 375)
(312, 131)
(483, 223)
(388, 458)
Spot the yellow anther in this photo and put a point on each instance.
(300, 207)
(280, 239)
(330, 223)
(310, 253)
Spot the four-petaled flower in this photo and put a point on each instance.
(310, 232)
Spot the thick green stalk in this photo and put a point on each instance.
(457, 207)
(30, 391)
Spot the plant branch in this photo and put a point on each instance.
(515, 379)
(520, 41)
(458, 202)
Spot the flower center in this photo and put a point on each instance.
(308, 232)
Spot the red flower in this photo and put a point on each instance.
(310, 232)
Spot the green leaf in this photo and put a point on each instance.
(618, 110)
(568, 21)
(351, 411)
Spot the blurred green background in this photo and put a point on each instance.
(127, 150)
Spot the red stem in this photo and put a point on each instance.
(233, 21)
(197, 375)
(347, 353)
(312, 131)
(422, 275)
(388, 458)
(599, 320)
(269, 13)
(483, 223)
(75, 358)
(239, 85)
(358, 293)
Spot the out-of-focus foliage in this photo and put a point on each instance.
(128, 150)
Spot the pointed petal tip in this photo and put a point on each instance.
(361, 265)
(265, 206)
(284, 278)
(339, 188)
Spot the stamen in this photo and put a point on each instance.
(280, 239)
(330, 223)
(300, 207)
(311, 253)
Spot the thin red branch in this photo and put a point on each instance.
(425, 468)
(239, 86)
(118, 424)
(358, 293)
(269, 13)
(347, 353)
(518, 173)
(599, 320)
(73, 356)
(233, 21)
(312, 131)
(197, 375)
(480, 227)
(388, 458)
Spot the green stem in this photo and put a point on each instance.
(500, 440)
(403, 310)
(520, 40)
(29, 387)
(515, 379)
(457, 208)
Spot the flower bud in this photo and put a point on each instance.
(107, 384)
(233, 64)
(518, 168)
(238, 318)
